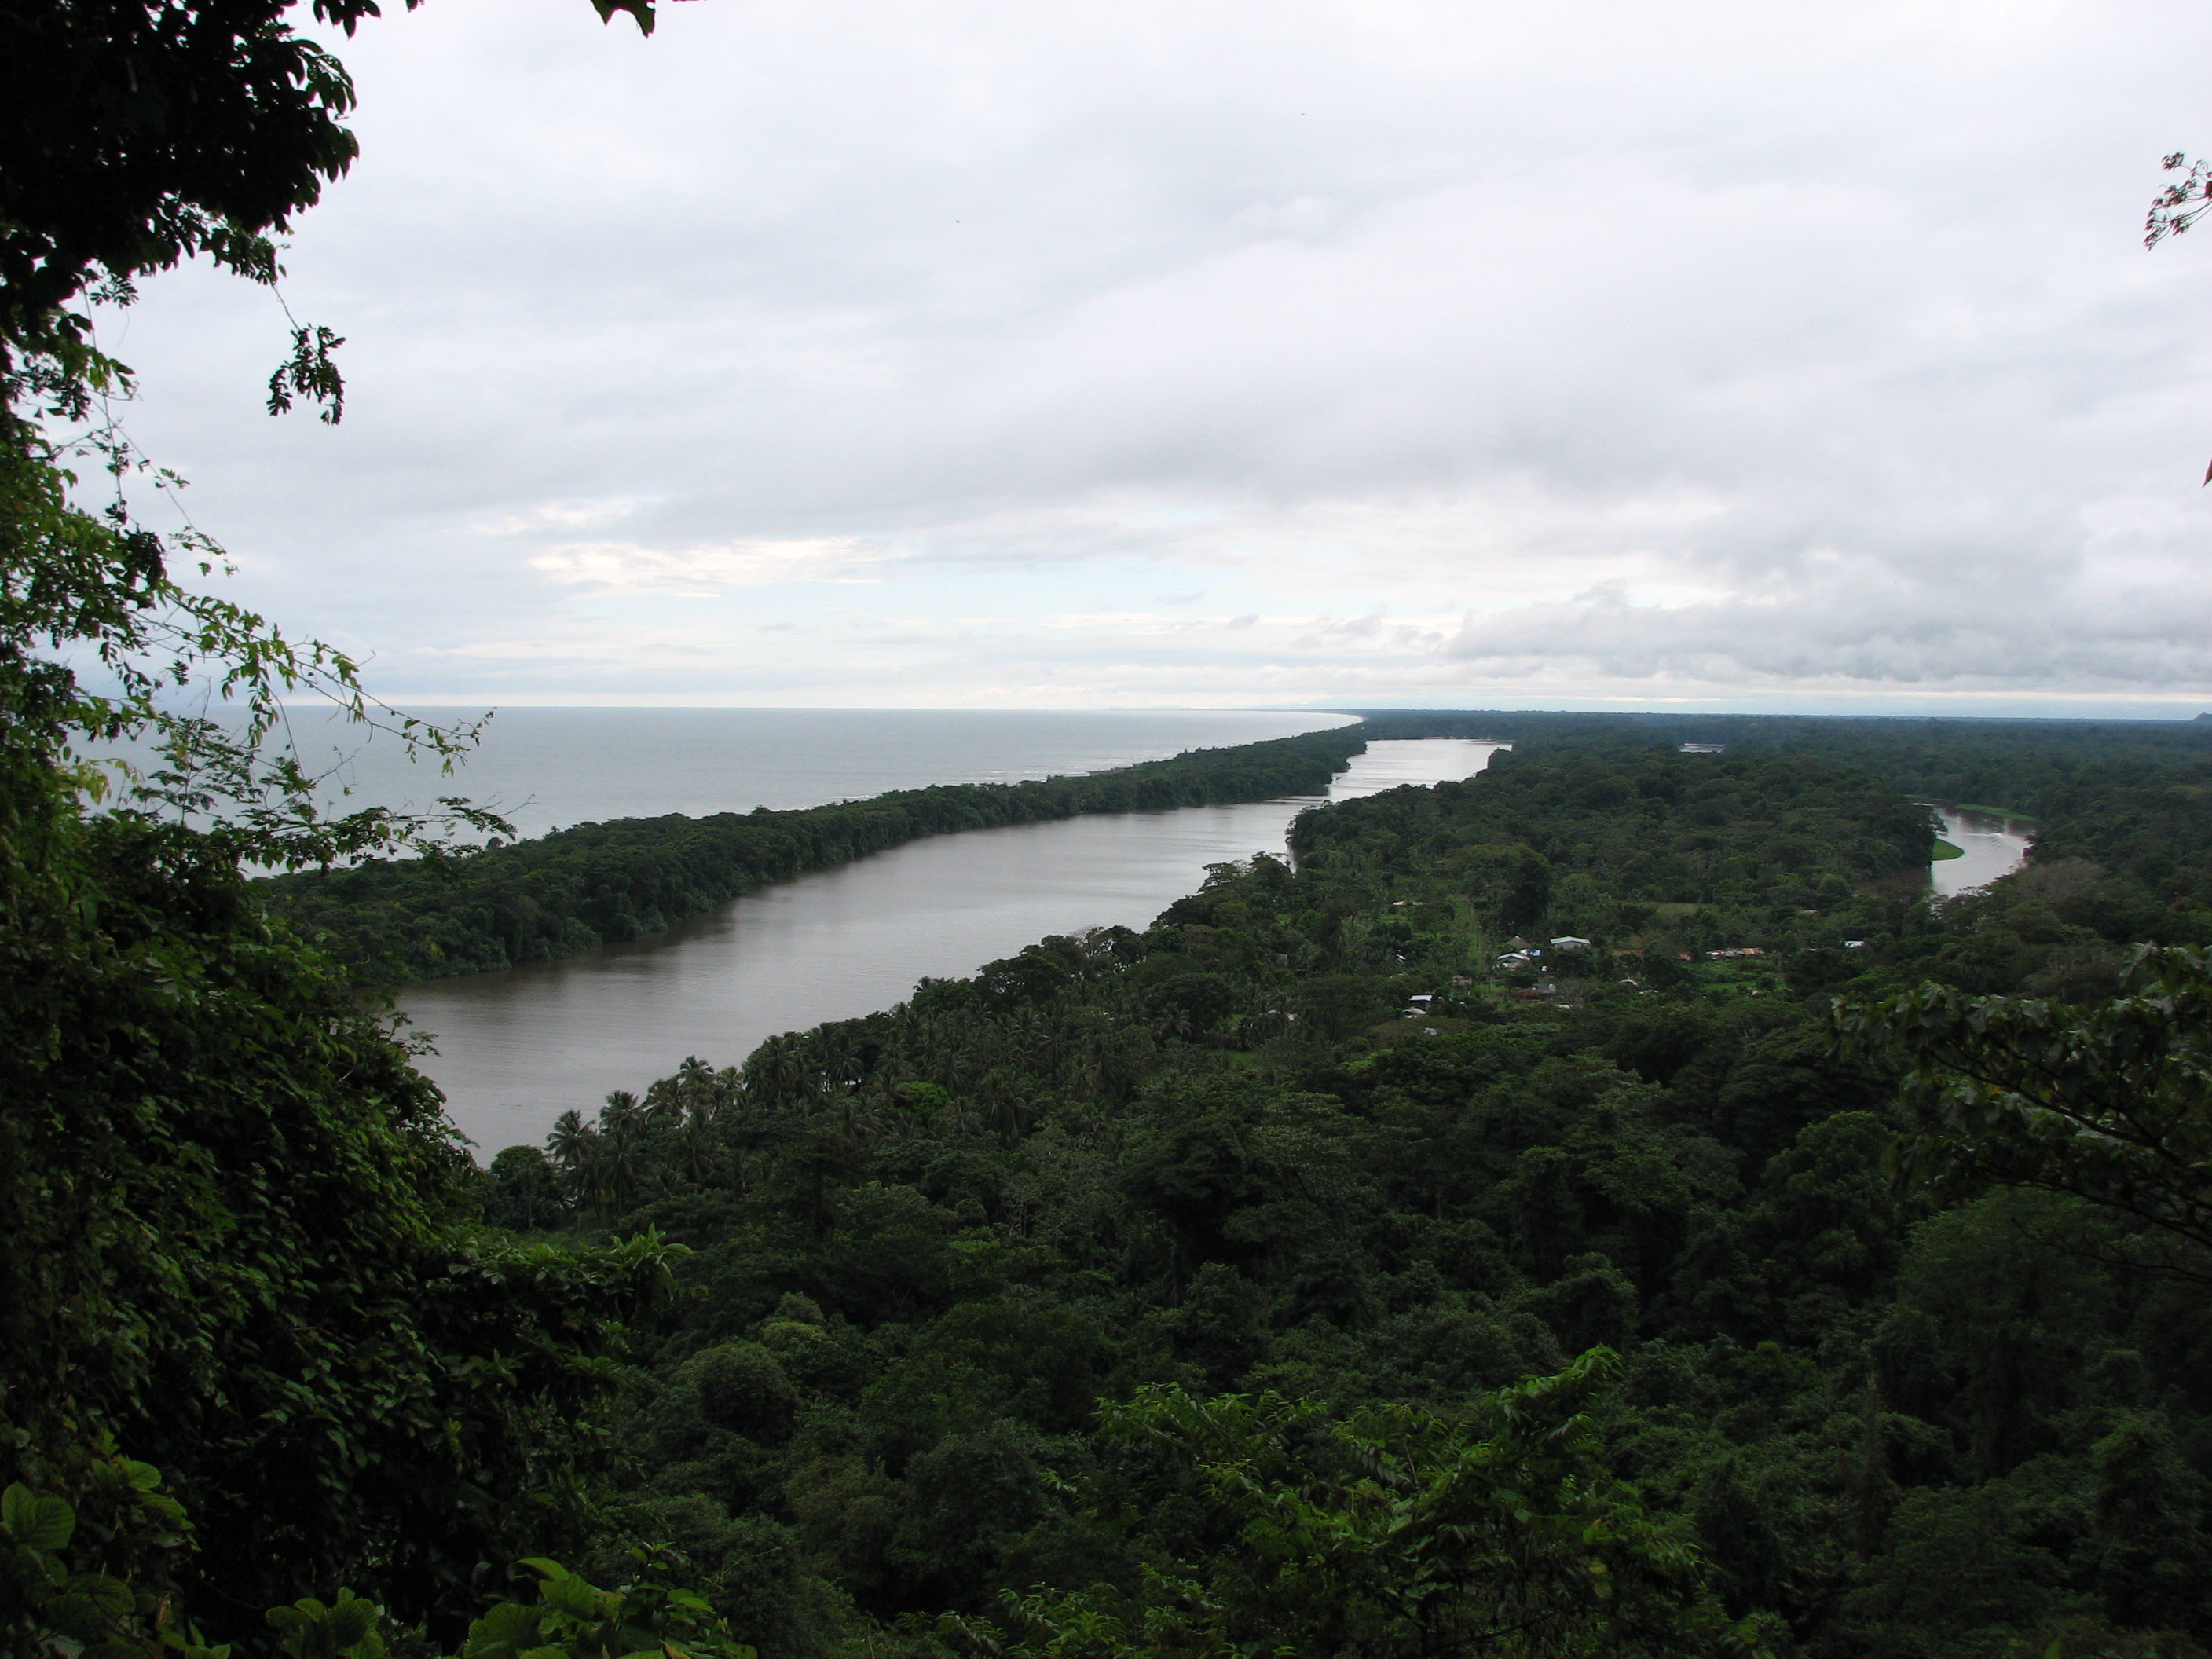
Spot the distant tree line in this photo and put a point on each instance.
(2036, 767)
(598, 883)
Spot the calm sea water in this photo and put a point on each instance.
(544, 767)
(515, 1049)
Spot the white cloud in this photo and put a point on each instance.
(626, 567)
(1423, 350)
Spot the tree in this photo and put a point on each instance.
(2179, 206)
(64, 1594)
(135, 134)
(2112, 1103)
(1397, 1533)
(237, 1236)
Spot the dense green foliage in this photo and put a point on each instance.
(2121, 811)
(1225, 1155)
(97, 1584)
(1314, 1275)
(236, 1234)
(2028, 766)
(576, 888)
(237, 1237)
(1399, 1531)
(2113, 1106)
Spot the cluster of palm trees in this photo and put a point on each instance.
(810, 1110)
(640, 1149)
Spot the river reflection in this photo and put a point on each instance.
(1995, 846)
(515, 1049)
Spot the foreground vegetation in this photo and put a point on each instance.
(1317, 1273)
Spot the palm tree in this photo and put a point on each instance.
(620, 1108)
(774, 1071)
(837, 1058)
(571, 1144)
(1006, 1108)
(622, 1166)
(699, 1146)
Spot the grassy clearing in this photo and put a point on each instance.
(1945, 850)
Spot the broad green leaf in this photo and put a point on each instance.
(350, 1620)
(111, 1596)
(574, 1597)
(505, 1629)
(36, 1520)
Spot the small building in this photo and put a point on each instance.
(1568, 942)
(1703, 748)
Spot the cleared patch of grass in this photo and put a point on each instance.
(1945, 850)
(1992, 812)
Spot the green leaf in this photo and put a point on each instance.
(351, 1620)
(510, 1625)
(111, 1596)
(36, 1520)
(573, 1596)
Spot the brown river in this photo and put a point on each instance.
(515, 1049)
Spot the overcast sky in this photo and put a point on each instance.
(1768, 355)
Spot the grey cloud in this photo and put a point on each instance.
(1712, 316)
(1842, 634)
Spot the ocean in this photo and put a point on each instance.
(543, 768)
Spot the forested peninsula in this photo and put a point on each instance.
(1603, 1207)
(1197, 1280)
(598, 883)
(2115, 793)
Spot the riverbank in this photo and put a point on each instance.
(515, 1049)
(600, 883)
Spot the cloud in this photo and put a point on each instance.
(1839, 632)
(1436, 348)
(628, 568)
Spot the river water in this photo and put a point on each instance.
(1994, 845)
(517, 1048)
